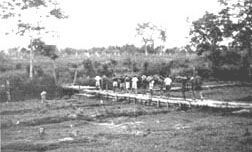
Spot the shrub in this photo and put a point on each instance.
(165, 69)
(85, 81)
(37, 70)
(97, 64)
(113, 62)
(64, 75)
(105, 70)
(4, 66)
(74, 65)
(204, 72)
(18, 66)
(152, 69)
(88, 67)
(145, 66)
(128, 62)
(229, 72)
(22, 88)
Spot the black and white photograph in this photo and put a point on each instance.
(126, 75)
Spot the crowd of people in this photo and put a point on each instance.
(147, 83)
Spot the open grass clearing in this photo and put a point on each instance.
(120, 127)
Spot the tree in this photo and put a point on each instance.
(146, 31)
(162, 38)
(88, 67)
(51, 52)
(20, 11)
(206, 34)
(237, 21)
(69, 51)
(234, 22)
(149, 33)
(129, 48)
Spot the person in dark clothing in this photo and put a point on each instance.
(196, 82)
(127, 83)
(121, 83)
(144, 82)
(184, 81)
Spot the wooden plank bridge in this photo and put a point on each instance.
(90, 91)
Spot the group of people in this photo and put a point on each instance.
(196, 85)
(127, 83)
(132, 84)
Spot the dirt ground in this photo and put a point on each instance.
(86, 125)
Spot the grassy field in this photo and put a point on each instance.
(85, 125)
(238, 93)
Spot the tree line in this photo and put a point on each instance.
(233, 23)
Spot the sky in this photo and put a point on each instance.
(102, 23)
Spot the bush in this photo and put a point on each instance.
(22, 88)
(5, 67)
(152, 69)
(135, 68)
(97, 64)
(85, 81)
(88, 67)
(105, 70)
(229, 72)
(145, 66)
(64, 75)
(18, 66)
(165, 69)
(128, 62)
(204, 72)
(113, 62)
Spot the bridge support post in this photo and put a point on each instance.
(149, 102)
(135, 100)
(116, 98)
(128, 99)
(167, 104)
(158, 103)
(107, 96)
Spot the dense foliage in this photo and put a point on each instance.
(234, 24)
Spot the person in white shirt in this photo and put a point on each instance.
(98, 82)
(151, 85)
(134, 83)
(43, 96)
(168, 83)
(115, 83)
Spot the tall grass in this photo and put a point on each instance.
(105, 64)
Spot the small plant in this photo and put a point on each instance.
(145, 66)
(18, 66)
(113, 62)
(88, 67)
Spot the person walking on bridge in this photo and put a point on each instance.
(196, 82)
(115, 83)
(98, 82)
(134, 84)
(184, 88)
(127, 83)
(151, 81)
(121, 83)
(167, 83)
